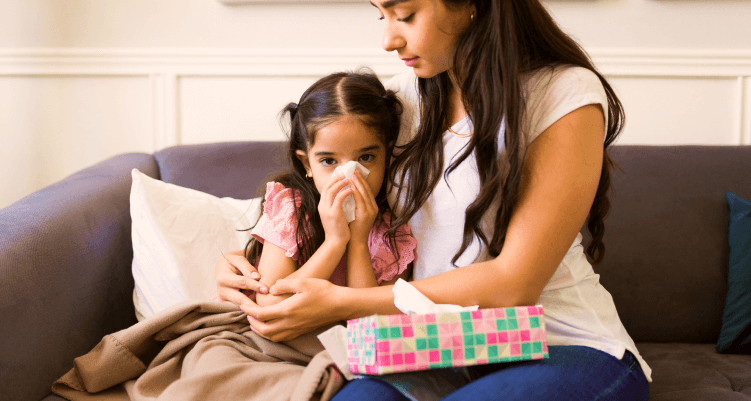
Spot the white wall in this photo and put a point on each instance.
(84, 80)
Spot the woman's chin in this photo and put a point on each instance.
(424, 72)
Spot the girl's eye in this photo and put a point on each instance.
(407, 19)
(367, 158)
(328, 162)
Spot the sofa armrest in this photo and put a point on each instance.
(65, 278)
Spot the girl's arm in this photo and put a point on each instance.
(273, 265)
(359, 267)
(560, 177)
(323, 262)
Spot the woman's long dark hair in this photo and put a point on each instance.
(360, 95)
(507, 40)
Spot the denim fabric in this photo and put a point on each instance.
(571, 373)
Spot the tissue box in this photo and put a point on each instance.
(381, 344)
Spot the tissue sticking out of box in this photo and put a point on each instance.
(347, 170)
(411, 301)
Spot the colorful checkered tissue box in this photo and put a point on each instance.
(381, 344)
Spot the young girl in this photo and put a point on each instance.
(303, 232)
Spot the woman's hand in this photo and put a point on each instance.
(366, 210)
(234, 274)
(315, 302)
(330, 209)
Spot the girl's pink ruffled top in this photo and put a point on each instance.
(278, 225)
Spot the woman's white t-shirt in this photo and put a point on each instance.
(578, 310)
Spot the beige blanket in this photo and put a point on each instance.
(200, 351)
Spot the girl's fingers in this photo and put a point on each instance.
(332, 188)
(363, 196)
(362, 205)
(363, 185)
(341, 196)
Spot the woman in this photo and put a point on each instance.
(508, 135)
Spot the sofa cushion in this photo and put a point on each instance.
(696, 372)
(178, 235)
(666, 238)
(735, 334)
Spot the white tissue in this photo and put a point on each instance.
(347, 170)
(335, 342)
(411, 301)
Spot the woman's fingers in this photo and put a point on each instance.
(234, 273)
(237, 298)
(286, 286)
(306, 310)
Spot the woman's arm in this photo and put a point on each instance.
(560, 177)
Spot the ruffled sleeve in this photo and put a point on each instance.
(278, 224)
(385, 264)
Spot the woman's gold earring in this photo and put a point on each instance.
(472, 17)
(309, 175)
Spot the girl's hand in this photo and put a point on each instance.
(366, 210)
(233, 275)
(330, 209)
(313, 305)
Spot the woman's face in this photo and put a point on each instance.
(423, 32)
(344, 140)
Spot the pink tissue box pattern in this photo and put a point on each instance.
(382, 344)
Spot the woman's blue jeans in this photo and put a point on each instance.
(570, 373)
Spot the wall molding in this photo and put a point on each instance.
(313, 62)
(164, 67)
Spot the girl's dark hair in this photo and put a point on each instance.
(506, 40)
(359, 95)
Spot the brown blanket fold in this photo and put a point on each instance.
(200, 350)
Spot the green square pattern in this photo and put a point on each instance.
(470, 345)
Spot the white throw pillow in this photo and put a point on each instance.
(178, 235)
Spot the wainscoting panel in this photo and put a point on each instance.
(692, 111)
(64, 109)
(52, 126)
(235, 108)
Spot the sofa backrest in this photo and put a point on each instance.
(234, 169)
(666, 238)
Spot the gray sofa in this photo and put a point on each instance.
(65, 254)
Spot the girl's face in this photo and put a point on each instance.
(423, 32)
(344, 140)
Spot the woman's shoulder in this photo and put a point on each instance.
(553, 92)
(403, 82)
(560, 81)
(405, 86)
